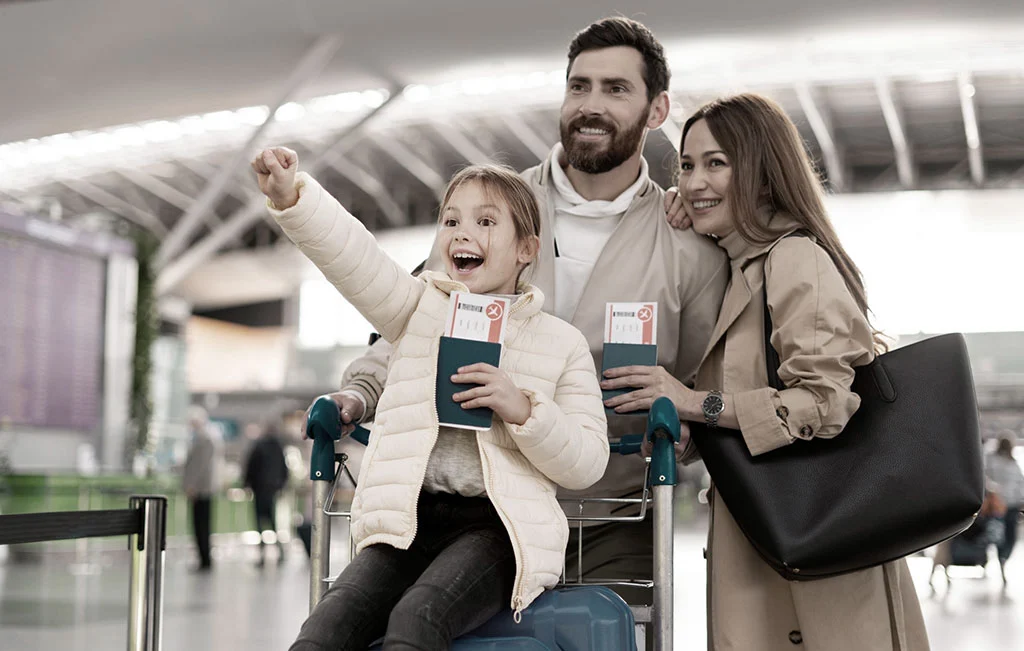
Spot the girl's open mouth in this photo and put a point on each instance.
(467, 261)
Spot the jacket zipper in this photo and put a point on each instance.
(423, 475)
(517, 546)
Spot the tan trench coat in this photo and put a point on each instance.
(821, 336)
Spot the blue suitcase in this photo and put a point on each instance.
(493, 644)
(574, 618)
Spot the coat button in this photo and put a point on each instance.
(782, 412)
(806, 431)
(795, 637)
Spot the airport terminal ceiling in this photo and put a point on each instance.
(132, 114)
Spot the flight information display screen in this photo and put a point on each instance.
(52, 286)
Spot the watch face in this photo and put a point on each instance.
(713, 405)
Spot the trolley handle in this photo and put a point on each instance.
(324, 426)
(662, 423)
(628, 444)
(664, 431)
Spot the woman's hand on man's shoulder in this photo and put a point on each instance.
(675, 210)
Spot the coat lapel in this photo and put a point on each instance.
(737, 297)
(739, 293)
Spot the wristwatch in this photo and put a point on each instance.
(713, 406)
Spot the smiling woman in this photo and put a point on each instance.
(745, 177)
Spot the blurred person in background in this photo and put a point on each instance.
(199, 480)
(748, 184)
(1007, 480)
(602, 220)
(266, 475)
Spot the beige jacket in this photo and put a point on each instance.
(644, 260)
(562, 443)
(820, 335)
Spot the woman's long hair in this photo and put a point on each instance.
(773, 173)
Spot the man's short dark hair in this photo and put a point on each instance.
(617, 31)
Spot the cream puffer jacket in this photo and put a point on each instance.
(564, 441)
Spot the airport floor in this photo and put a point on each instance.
(78, 602)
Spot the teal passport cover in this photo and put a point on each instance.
(616, 355)
(453, 354)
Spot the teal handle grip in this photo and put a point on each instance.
(361, 434)
(323, 425)
(628, 444)
(663, 430)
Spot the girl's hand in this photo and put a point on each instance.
(496, 391)
(675, 210)
(650, 382)
(350, 411)
(275, 172)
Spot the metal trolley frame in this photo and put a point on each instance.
(327, 467)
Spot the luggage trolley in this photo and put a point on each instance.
(577, 615)
(969, 548)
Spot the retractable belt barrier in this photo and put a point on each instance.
(145, 524)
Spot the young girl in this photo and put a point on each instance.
(450, 526)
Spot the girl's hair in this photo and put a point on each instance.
(773, 171)
(503, 184)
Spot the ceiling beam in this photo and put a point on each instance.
(10, 198)
(74, 203)
(462, 145)
(172, 195)
(116, 205)
(412, 163)
(163, 191)
(968, 107)
(255, 209)
(824, 132)
(201, 168)
(896, 123)
(308, 68)
(526, 135)
(955, 174)
(372, 186)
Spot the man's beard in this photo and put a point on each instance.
(593, 158)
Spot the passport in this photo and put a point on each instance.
(453, 354)
(616, 355)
